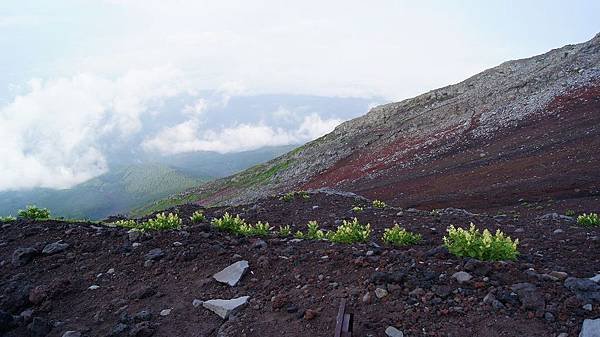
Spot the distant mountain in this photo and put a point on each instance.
(125, 188)
(525, 129)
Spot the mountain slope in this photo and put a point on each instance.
(524, 129)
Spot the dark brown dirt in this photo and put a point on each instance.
(311, 275)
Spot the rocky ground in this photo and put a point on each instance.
(96, 280)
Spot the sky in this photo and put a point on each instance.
(78, 72)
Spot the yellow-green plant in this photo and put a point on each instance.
(8, 218)
(357, 209)
(399, 236)
(379, 204)
(313, 232)
(228, 223)
(299, 235)
(162, 221)
(127, 223)
(589, 220)
(259, 229)
(284, 231)
(570, 212)
(291, 195)
(480, 245)
(32, 212)
(350, 232)
(197, 216)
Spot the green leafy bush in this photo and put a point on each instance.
(34, 213)
(570, 212)
(127, 223)
(284, 231)
(197, 216)
(482, 246)
(299, 235)
(313, 232)
(8, 218)
(357, 209)
(259, 229)
(589, 220)
(228, 223)
(162, 221)
(350, 232)
(291, 195)
(379, 204)
(399, 236)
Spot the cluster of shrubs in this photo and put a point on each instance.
(33, 212)
(292, 195)
(161, 221)
(238, 226)
(589, 220)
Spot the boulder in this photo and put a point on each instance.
(23, 256)
(585, 289)
(233, 273)
(55, 247)
(224, 308)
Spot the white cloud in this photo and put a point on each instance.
(49, 135)
(187, 136)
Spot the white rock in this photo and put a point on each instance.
(224, 308)
(165, 312)
(590, 328)
(197, 303)
(595, 278)
(462, 276)
(558, 231)
(393, 332)
(587, 307)
(232, 274)
(111, 271)
(72, 334)
(381, 293)
(94, 287)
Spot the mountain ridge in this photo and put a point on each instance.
(406, 135)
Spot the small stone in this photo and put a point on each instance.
(391, 331)
(111, 271)
(310, 314)
(177, 244)
(136, 244)
(590, 328)
(72, 334)
(142, 316)
(549, 317)
(224, 308)
(381, 293)
(134, 235)
(233, 273)
(561, 275)
(366, 298)
(259, 244)
(154, 255)
(55, 247)
(39, 327)
(587, 307)
(291, 308)
(197, 303)
(165, 312)
(558, 231)
(462, 276)
(118, 329)
(93, 287)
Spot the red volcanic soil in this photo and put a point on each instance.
(295, 287)
(551, 155)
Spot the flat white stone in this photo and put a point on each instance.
(393, 332)
(232, 274)
(224, 308)
(590, 328)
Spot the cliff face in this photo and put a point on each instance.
(525, 129)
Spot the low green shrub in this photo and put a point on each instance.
(299, 235)
(228, 223)
(197, 216)
(259, 229)
(482, 246)
(34, 213)
(126, 223)
(8, 218)
(379, 204)
(399, 236)
(162, 221)
(350, 232)
(284, 231)
(570, 212)
(589, 220)
(291, 195)
(313, 232)
(357, 209)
